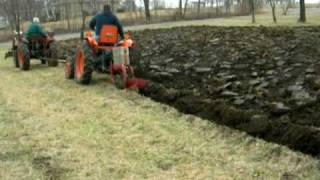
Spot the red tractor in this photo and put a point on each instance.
(104, 55)
(43, 48)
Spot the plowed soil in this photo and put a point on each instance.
(264, 81)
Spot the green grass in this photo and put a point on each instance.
(52, 128)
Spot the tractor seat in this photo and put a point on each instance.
(108, 35)
(36, 38)
(37, 42)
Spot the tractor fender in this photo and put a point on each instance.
(50, 41)
(92, 43)
(127, 43)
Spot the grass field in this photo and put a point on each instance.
(52, 128)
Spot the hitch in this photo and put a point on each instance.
(8, 54)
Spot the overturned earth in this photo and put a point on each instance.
(261, 80)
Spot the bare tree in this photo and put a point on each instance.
(243, 7)
(130, 5)
(180, 8)
(94, 5)
(147, 9)
(13, 12)
(67, 11)
(228, 6)
(84, 15)
(285, 4)
(217, 7)
(199, 5)
(302, 12)
(157, 5)
(273, 8)
(253, 16)
(185, 8)
(112, 3)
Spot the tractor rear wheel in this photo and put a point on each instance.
(69, 69)
(53, 55)
(84, 60)
(15, 58)
(23, 56)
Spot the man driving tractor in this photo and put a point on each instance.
(104, 53)
(36, 44)
(35, 29)
(106, 17)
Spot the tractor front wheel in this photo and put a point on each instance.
(23, 55)
(69, 69)
(83, 64)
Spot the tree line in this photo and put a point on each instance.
(17, 11)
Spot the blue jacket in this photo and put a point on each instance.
(105, 18)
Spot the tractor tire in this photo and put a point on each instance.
(53, 55)
(15, 58)
(83, 66)
(23, 57)
(69, 69)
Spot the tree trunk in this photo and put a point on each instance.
(83, 19)
(217, 7)
(147, 9)
(253, 16)
(302, 11)
(185, 8)
(16, 15)
(112, 6)
(274, 13)
(180, 8)
(199, 5)
(95, 6)
(67, 11)
(227, 5)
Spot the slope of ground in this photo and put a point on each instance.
(51, 128)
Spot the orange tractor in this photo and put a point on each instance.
(107, 54)
(43, 48)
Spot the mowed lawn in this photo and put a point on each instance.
(52, 128)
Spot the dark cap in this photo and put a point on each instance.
(106, 7)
